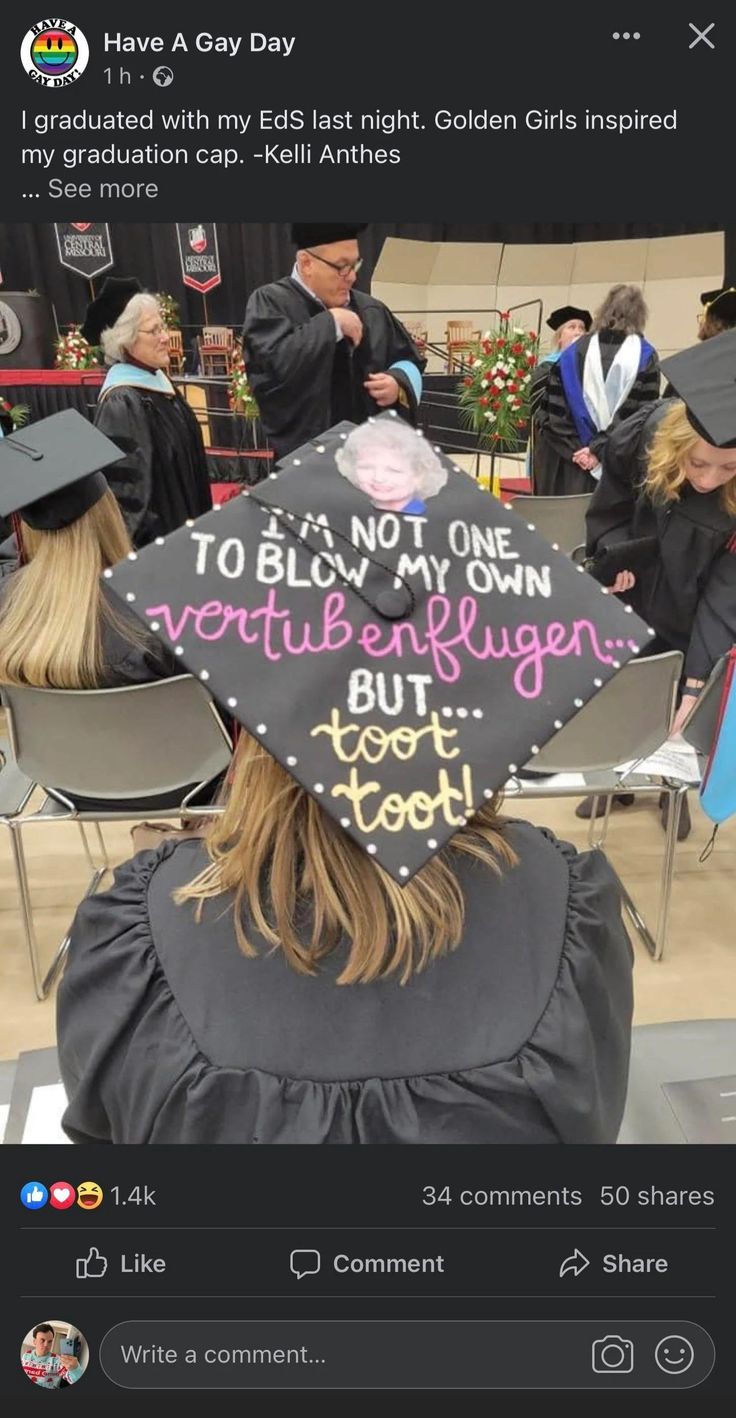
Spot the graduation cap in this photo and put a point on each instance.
(721, 303)
(704, 377)
(50, 471)
(106, 308)
(569, 312)
(400, 665)
(306, 234)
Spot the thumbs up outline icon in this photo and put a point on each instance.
(91, 1267)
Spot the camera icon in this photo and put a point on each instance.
(613, 1355)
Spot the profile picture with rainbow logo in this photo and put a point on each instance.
(54, 53)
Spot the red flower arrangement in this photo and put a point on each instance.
(495, 395)
(73, 351)
(241, 396)
(12, 416)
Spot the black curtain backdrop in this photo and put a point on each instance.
(252, 253)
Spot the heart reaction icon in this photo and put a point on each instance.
(62, 1195)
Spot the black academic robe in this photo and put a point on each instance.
(688, 592)
(554, 422)
(168, 1033)
(163, 479)
(303, 378)
(553, 472)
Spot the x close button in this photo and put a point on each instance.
(702, 34)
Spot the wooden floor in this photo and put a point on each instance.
(696, 979)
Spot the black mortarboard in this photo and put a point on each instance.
(400, 665)
(105, 309)
(305, 234)
(721, 303)
(50, 471)
(704, 377)
(569, 312)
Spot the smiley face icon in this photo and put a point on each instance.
(89, 1195)
(674, 1354)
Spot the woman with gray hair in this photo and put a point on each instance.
(163, 479)
(393, 465)
(600, 380)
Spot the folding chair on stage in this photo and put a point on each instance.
(624, 723)
(560, 520)
(106, 755)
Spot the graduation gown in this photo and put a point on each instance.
(554, 421)
(553, 472)
(168, 1033)
(688, 593)
(163, 479)
(303, 378)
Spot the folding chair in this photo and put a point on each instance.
(560, 520)
(107, 755)
(624, 723)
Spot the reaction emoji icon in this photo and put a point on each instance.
(33, 1195)
(674, 1354)
(62, 1195)
(89, 1195)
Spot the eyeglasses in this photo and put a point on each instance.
(343, 268)
(156, 331)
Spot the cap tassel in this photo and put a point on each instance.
(387, 603)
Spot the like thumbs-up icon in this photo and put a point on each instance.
(93, 1267)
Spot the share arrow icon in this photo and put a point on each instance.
(576, 1263)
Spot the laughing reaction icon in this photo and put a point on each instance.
(89, 1195)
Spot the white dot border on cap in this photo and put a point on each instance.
(159, 541)
(292, 761)
(179, 650)
(130, 596)
(232, 703)
(132, 556)
(319, 787)
(154, 625)
(204, 674)
(371, 849)
(432, 843)
(403, 871)
(107, 574)
(578, 703)
(261, 728)
(345, 822)
(477, 713)
(530, 527)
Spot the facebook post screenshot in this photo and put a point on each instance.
(367, 702)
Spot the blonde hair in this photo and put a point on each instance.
(667, 458)
(277, 850)
(51, 618)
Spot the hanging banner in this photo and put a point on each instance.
(200, 258)
(84, 247)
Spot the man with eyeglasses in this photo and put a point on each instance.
(317, 351)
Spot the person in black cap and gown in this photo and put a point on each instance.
(598, 381)
(364, 950)
(59, 627)
(318, 351)
(553, 472)
(163, 479)
(669, 482)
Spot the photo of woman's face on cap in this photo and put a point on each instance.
(394, 467)
(54, 1354)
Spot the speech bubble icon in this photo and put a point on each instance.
(305, 1263)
